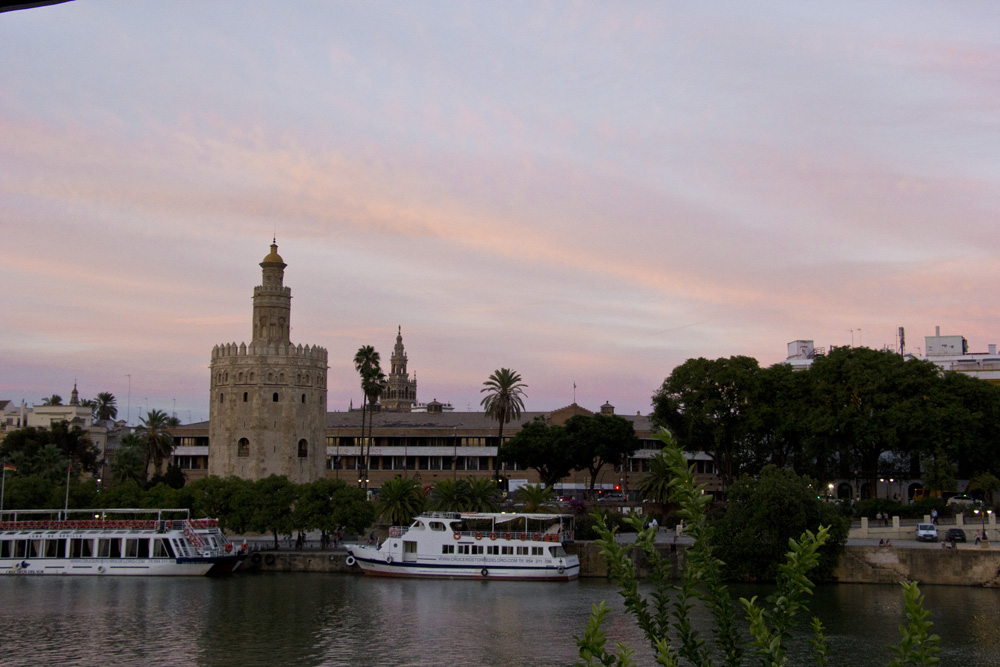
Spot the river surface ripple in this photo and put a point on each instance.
(317, 619)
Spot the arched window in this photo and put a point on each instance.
(251, 377)
(274, 397)
(245, 396)
(303, 449)
(243, 447)
(222, 398)
(303, 398)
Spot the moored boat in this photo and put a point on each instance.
(511, 546)
(132, 542)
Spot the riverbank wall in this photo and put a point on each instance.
(967, 565)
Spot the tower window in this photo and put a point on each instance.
(222, 398)
(274, 397)
(303, 449)
(245, 396)
(243, 447)
(303, 398)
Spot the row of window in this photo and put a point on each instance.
(493, 550)
(275, 397)
(243, 448)
(414, 463)
(115, 547)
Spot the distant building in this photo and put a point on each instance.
(268, 399)
(401, 392)
(951, 353)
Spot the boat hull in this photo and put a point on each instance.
(375, 564)
(145, 567)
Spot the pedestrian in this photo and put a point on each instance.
(878, 519)
(655, 524)
(978, 537)
(934, 516)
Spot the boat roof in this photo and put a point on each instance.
(500, 516)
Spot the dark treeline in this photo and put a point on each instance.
(856, 414)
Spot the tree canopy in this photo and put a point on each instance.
(541, 447)
(599, 440)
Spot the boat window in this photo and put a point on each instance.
(438, 526)
(492, 550)
(80, 548)
(131, 549)
(20, 548)
(409, 547)
(35, 548)
(109, 548)
(4, 548)
(507, 551)
(537, 551)
(465, 549)
(522, 551)
(162, 549)
(557, 552)
(419, 525)
(55, 548)
(447, 548)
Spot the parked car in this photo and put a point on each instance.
(963, 501)
(955, 535)
(612, 497)
(927, 532)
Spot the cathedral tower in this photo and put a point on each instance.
(401, 392)
(267, 411)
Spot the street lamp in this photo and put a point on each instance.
(982, 518)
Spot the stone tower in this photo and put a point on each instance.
(267, 411)
(401, 392)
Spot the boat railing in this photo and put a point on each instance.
(398, 531)
(517, 535)
(85, 524)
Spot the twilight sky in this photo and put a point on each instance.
(586, 192)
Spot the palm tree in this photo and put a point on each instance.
(535, 497)
(54, 399)
(480, 495)
(399, 500)
(504, 401)
(656, 485)
(448, 495)
(106, 406)
(128, 461)
(366, 361)
(159, 444)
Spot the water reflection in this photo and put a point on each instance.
(303, 619)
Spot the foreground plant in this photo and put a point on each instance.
(667, 612)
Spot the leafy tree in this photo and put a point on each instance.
(763, 513)
(270, 500)
(657, 483)
(706, 405)
(399, 500)
(535, 498)
(223, 498)
(54, 399)
(329, 504)
(480, 494)
(172, 477)
(48, 451)
(938, 471)
(541, 447)
(129, 462)
(986, 482)
(105, 406)
(599, 440)
(504, 401)
(159, 444)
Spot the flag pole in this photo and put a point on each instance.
(3, 486)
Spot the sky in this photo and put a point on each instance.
(590, 193)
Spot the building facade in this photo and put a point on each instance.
(267, 411)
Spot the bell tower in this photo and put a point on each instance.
(272, 302)
(401, 392)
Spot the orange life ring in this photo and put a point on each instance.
(229, 547)
(537, 537)
(493, 536)
(457, 535)
(523, 536)
(479, 536)
(506, 536)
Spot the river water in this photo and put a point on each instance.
(316, 619)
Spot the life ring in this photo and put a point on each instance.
(350, 561)
(537, 537)
(493, 536)
(457, 535)
(269, 559)
(561, 569)
(100, 569)
(388, 559)
(479, 536)
(255, 559)
(523, 536)
(506, 536)
(484, 572)
(229, 548)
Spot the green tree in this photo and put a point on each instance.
(105, 406)
(986, 482)
(938, 472)
(129, 462)
(29, 449)
(329, 504)
(481, 495)
(271, 501)
(448, 495)
(656, 485)
(763, 513)
(599, 440)
(54, 399)
(706, 405)
(368, 365)
(399, 500)
(224, 499)
(154, 432)
(535, 498)
(541, 447)
(503, 402)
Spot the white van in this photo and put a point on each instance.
(927, 532)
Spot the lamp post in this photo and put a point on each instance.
(982, 517)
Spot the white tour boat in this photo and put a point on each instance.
(113, 542)
(474, 546)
